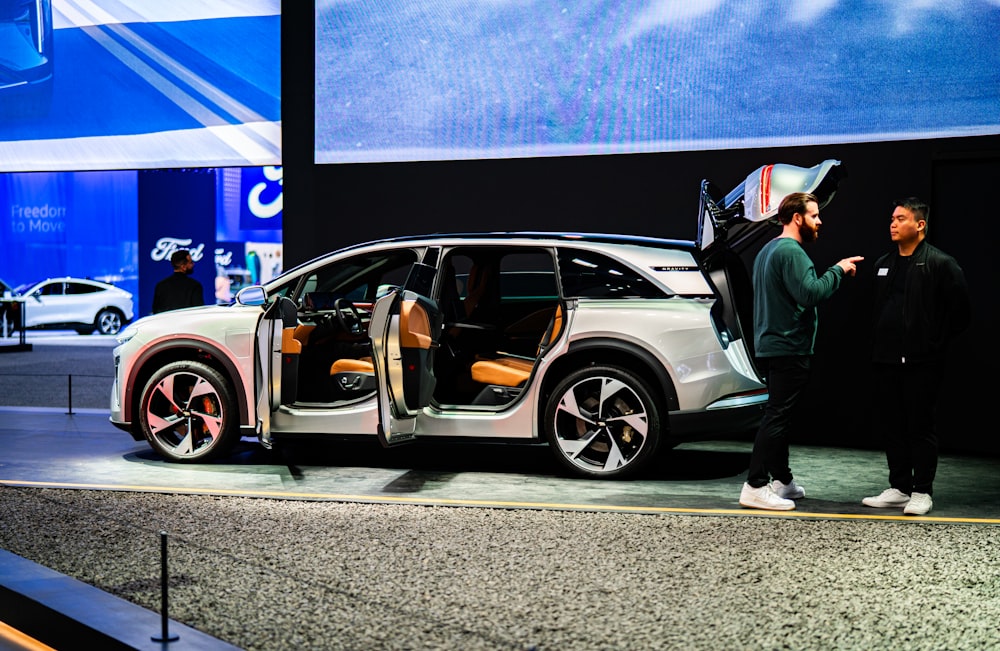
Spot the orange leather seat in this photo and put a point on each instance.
(289, 344)
(414, 332)
(302, 332)
(515, 371)
(501, 372)
(414, 326)
(363, 365)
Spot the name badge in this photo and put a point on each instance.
(883, 271)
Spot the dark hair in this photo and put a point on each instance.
(794, 203)
(920, 210)
(179, 257)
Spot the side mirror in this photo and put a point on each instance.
(252, 295)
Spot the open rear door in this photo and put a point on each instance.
(404, 330)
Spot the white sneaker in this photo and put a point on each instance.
(887, 499)
(790, 491)
(764, 498)
(919, 504)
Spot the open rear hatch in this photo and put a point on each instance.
(735, 220)
(730, 225)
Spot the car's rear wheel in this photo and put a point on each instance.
(602, 422)
(108, 322)
(187, 413)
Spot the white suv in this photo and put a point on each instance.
(79, 304)
(606, 347)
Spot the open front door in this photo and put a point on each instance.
(404, 330)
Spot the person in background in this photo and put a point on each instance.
(921, 305)
(223, 288)
(179, 289)
(786, 292)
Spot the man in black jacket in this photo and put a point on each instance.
(921, 305)
(178, 289)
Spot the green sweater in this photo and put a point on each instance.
(786, 292)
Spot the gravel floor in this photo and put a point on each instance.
(268, 574)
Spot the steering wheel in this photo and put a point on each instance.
(348, 316)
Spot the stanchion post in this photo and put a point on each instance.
(69, 392)
(164, 635)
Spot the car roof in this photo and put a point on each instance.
(544, 238)
(505, 237)
(69, 279)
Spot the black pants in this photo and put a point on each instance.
(786, 380)
(904, 415)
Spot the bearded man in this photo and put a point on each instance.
(786, 293)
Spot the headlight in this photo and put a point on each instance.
(126, 334)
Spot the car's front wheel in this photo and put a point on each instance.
(187, 412)
(602, 422)
(108, 322)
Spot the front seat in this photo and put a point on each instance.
(414, 336)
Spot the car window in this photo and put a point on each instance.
(359, 278)
(496, 285)
(528, 275)
(51, 289)
(522, 273)
(81, 288)
(587, 274)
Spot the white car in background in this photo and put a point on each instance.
(79, 304)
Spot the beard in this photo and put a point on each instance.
(808, 233)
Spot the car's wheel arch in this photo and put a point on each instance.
(613, 352)
(164, 353)
(108, 308)
(112, 308)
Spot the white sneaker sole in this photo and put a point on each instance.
(917, 511)
(769, 506)
(883, 505)
(794, 496)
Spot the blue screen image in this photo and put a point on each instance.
(133, 84)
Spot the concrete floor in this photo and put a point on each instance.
(50, 448)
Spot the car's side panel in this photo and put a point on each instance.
(227, 336)
(239, 370)
(359, 419)
(700, 370)
(77, 308)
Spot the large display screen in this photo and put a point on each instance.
(398, 80)
(137, 84)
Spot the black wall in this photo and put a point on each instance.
(329, 206)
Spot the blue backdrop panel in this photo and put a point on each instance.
(261, 207)
(69, 224)
(178, 212)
